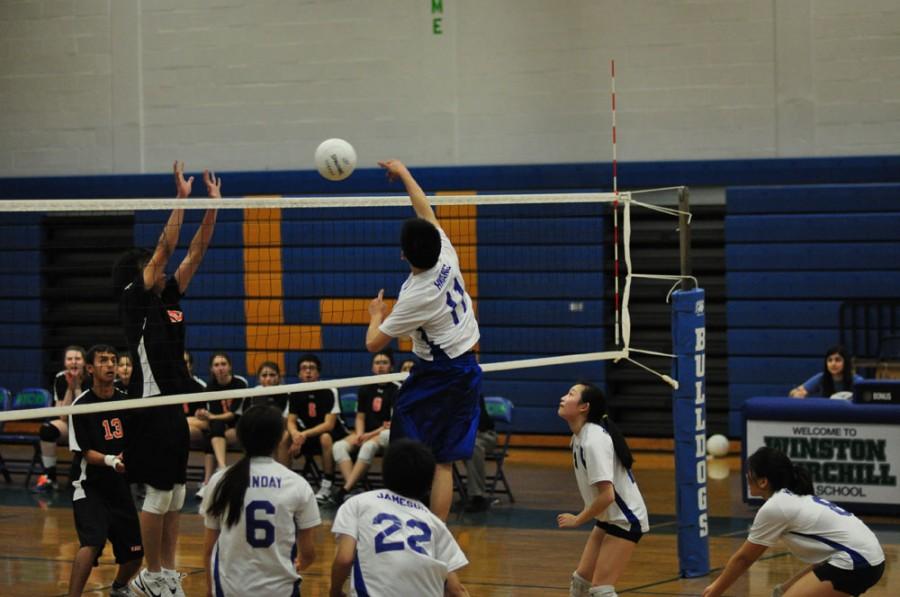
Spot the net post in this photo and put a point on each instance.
(689, 416)
(684, 235)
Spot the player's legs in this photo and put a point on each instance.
(52, 433)
(613, 557)
(809, 585)
(81, 568)
(367, 453)
(342, 452)
(442, 490)
(218, 441)
(327, 454)
(170, 527)
(588, 560)
(475, 472)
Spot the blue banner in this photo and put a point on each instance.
(689, 416)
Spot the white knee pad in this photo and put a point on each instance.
(369, 450)
(161, 502)
(579, 586)
(341, 451)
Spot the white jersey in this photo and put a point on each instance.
(815, 530)
(594, 458)
(254, 555)
(401, 547)
(434, 309)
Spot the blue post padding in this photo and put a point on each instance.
(689, 415)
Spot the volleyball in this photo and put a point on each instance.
(335, 159)
(717, 445)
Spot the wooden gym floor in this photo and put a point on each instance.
(513, 550)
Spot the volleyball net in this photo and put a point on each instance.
(550, 276)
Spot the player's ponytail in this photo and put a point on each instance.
(260, 430)
(773, 465)
(594, 398)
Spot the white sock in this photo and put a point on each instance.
(578, 587)
(48, 461)
(603, 591)
(326, 483)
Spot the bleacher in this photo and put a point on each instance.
(794, 254)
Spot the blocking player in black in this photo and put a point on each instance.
(102, 502)
(154, 325)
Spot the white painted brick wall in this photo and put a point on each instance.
(93, 86)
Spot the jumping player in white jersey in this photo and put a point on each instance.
(255, 511)
(438, 402)
(843, 554)
(611, 496)
(392, 542)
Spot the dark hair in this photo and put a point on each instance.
(128, 268)
(774, 465)
(268, 365)
(220, 353)
(310, 357)
(408, 468)
(846, 374)
(596, 401)
(96, 349)
(259, 431)
(385, 352)
(421, 243)
(76, 348)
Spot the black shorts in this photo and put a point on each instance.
(313, 445)
(157, 448)
(99, 518)
(634, 534)
(852, 582)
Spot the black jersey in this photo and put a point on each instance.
(121, 386)
(279, 401)
(101, 432)
(218, 407)
(311, 407)
(376, 402)
(60, 386)
(154, 327)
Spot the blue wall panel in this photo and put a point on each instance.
(813, 285)
(782, 314)
(812, 256)
(814, 227)
(814, 199)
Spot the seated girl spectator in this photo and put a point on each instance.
(836, 376)
(124, 367)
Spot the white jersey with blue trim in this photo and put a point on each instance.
(435, 310)
(815, 530)
(401, 547)
(594, 458)
(254, 555)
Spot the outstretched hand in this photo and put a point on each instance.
(567, 521)
(395, 169)
(213, 184)
(182, 186)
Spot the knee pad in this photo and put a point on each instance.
(159, 501)
(579, 586)
(603, 591)
(49, 433)
(341, 451)
(368, 451)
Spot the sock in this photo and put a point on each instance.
(578, 587)
(603, 591)
(48, 461)
(170, 572)
(51, 471)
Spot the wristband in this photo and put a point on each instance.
(111, 461)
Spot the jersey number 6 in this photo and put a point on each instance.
(260, 532)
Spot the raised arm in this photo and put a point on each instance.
(396, 170)
(201, 239)
(168, 239)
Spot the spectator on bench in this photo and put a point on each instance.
(268, 374)
(124, 367)
(314, 422)
(373, 423)
(219, 414)
(836, 376)
(67, 386)
(485, 441)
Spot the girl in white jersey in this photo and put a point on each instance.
(844, 556)
(611, 496)
(255, 511)
(392, 542)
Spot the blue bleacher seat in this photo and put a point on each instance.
(348, 409)
(24, 432)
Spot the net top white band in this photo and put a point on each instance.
(150, 203)
(348, 382)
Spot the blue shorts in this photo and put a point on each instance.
(438, 406)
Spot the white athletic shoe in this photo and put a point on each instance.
(201, 492)
(150, 584)
(323, 496)
(173, 580)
